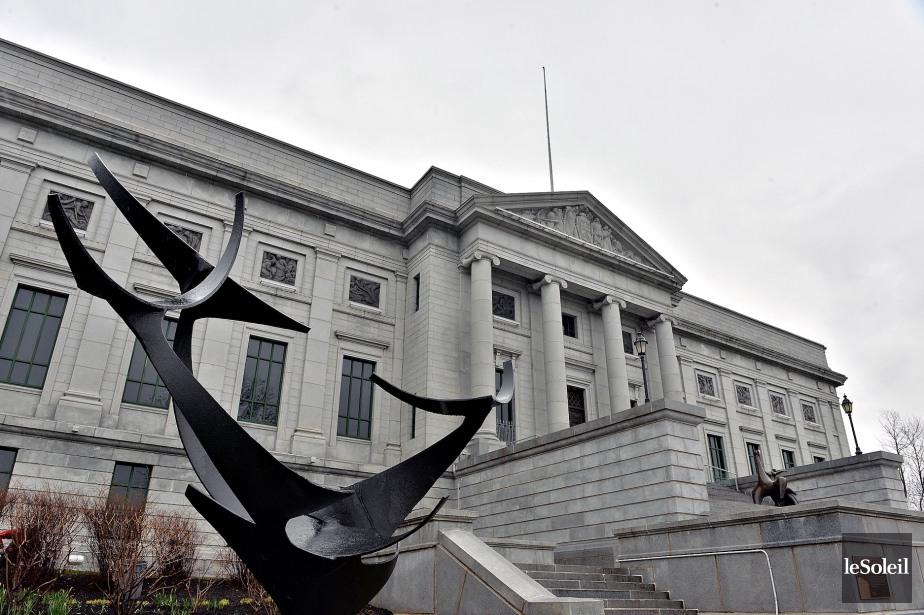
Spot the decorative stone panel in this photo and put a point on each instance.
(77, 210)
(192, 238)
(364, 292)
(503, 306)
(278, 268)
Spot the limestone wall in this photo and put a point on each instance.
(643, 465)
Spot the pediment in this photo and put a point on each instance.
(588, 225)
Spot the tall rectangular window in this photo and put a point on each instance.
(261, 389)
(29, 337)
(789, 458)
(7, 461)
(717, 457)
(752, 460)
(143, 386)
(130, 483)
(569, 325)
(506, 428)
(628, 344)
(354, 419)
(417, 292)
(817, 459)
(577, 412)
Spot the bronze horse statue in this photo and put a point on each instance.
(772, 484)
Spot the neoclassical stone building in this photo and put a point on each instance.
(432, 286)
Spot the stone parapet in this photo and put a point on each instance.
(577, 485)
(803, 544)
(873, 478)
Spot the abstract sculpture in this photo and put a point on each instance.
(772, 484)
(302, 541)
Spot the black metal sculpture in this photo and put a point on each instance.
(302, 541)
(772, 484)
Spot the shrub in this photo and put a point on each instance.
(139, 551)
(45, 525)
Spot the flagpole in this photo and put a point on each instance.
(547, 132)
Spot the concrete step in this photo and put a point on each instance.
(632, 596)
(636, 611)
(583, 576)
(615, 585)
(572, 568)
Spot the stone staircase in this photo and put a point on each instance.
(724, 500)
(622, 593)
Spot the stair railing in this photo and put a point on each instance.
(776, 604)
(715, 474)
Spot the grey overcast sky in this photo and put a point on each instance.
(772, 151)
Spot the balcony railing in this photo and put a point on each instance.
(506, 432)
(721, 475)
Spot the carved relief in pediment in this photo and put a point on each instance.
(579, 222)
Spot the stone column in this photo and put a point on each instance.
(553, 345)
(482, 361)
(667, 358)
(309, 438)
(616, 374)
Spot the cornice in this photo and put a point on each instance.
(189, 160)
(703, 333)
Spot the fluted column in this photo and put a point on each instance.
(482, 371)
(553, 345)
(667, 357)
(616, 374)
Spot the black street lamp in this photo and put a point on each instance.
(641, 347)
(847, 405)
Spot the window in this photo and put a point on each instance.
(744, 395)
(506, 429)
(717, 457)
(569, 325)
(417, 292)
(706, 385)
(817, 459)
(808, 412)
(354, 419)
(77, 210)
(364, 292)
(130, 483)
(29, 337)
(503, 305)
(778, 404)
(576, 411)
(262, 385)
(278, 268)
(143, 386)
(752, 460)
(7, 461)
(628, 343)
(789, 458)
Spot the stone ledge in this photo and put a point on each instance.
(657, 410)
(773, 513)
(824, 468)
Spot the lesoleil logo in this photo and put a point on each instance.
(876, 568)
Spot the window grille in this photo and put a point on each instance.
(808, 412)
(743, 393)
(29, 337)
(354, 419)
(143, 385)
(706, 385)
(261, 388)
(778, 404)
(130, 483)
(577, 413)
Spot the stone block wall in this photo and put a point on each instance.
(873, 478)
(576, 486)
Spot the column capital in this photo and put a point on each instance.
(609, 300)
(326, 255)
(549, 279)
(478, 255)
(662, 318)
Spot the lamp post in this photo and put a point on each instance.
(847, 405)
(641, 347)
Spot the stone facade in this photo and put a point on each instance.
(404, 278)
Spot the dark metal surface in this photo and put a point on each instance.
(772, 484)
(302, 541)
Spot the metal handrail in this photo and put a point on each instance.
(776, 604)
(717, 471)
